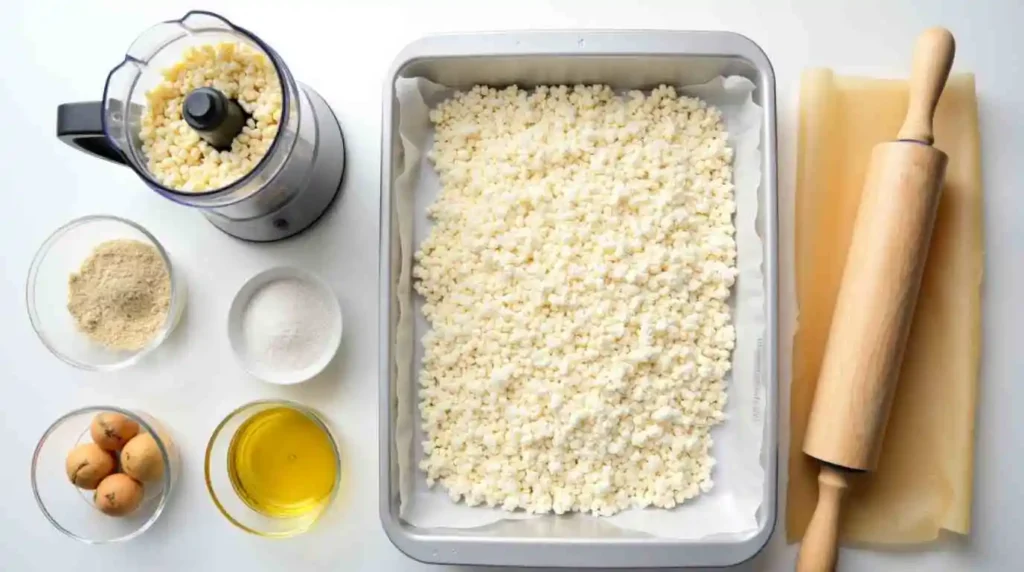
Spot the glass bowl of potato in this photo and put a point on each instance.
(103, 474)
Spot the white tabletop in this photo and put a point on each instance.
(55, 51)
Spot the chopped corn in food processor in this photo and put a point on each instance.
(177, 150)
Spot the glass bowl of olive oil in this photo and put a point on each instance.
(272, 468)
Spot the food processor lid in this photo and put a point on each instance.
(142, 69)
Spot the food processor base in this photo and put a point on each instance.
(307, 207)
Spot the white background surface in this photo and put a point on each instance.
(56, 51)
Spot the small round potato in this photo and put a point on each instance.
(141, 459)
(118, 495)
(87, 465)
(112, 430)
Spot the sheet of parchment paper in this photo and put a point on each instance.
(731, 506)
(924, 478)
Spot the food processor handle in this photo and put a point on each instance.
(81, 126)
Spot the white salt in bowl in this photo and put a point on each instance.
(272, 346)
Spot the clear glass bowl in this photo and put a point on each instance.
(225, 491)
(69, 508)
(47, 291)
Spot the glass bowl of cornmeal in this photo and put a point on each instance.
(102, 293)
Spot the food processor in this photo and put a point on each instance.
(290, 187)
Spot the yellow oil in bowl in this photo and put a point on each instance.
(282, 463)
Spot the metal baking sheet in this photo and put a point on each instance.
(624, 60)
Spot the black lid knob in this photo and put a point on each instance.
(205, 108)
(216, 118)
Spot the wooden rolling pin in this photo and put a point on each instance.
(876, 301)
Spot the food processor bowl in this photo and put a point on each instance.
(290, 187)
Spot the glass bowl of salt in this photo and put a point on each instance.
(285, 325)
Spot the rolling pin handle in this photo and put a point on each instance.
(933, 58)
(819, 550)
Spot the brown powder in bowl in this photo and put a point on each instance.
(121, 294)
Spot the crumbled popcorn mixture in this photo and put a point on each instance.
(576, 280)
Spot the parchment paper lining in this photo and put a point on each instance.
(731, 507)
